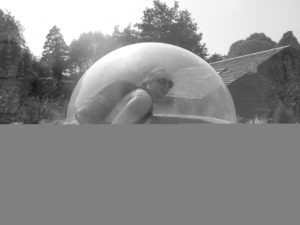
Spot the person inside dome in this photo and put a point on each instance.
(123, 102)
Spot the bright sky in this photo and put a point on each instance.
(222, 22)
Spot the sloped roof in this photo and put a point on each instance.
(196, 87)
(234, 68)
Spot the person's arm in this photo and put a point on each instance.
(135, 109)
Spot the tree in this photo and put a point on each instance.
(91, 46)
(121, 38)
(86, 50)
(55, 53)
(171, 25)
(11, 29)
(254, 43)
(288, 38)
(27, 73)
(215, 58)
(11, 42)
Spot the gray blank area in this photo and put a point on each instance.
(214, 175)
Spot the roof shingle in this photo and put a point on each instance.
(234, 68)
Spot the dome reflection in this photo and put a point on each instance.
(198, 95)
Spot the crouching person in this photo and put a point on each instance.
(122, 102)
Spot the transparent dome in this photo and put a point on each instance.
(198, 95)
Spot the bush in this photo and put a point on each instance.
(257, 120)
(35, 110)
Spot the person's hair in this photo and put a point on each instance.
(156, 74)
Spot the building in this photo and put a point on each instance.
(258, 81)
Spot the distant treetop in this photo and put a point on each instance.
(171, 25)
(288, 38)
(254, 43)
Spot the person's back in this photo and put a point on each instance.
(136, 107)
(122, 102)
(99, 105)
(106, 104)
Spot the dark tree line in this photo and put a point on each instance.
(15, 57)
(259, 42)
(59, 61)
(159, 23)
(12, 43)
(256, 42)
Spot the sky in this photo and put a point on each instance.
(222, 22)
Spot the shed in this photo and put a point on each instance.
(258, 81)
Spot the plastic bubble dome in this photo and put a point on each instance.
(198, 95)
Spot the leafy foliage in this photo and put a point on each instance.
(215, 58)
(11, 42)
(91, 46)
(55, 52)
(171, 25)
(27, 73)
(124, 37)
(10, 29)
(160, 23)
(283, 114)
(34, 110)
(254, 43)
(87, 49)
(288, 38)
